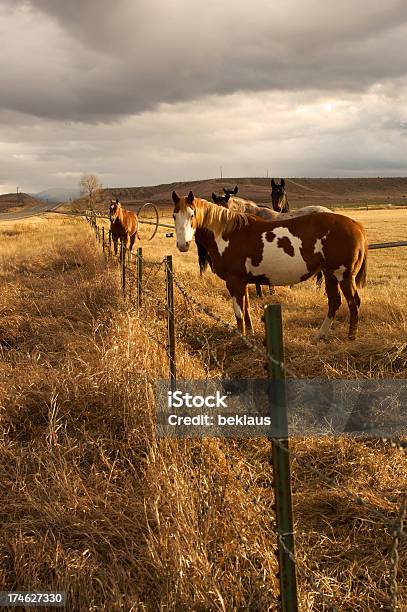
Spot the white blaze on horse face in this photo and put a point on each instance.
(183, 228)
(280, 267)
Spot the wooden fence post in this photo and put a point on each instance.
(123, 266)
(170, 319)
(139, 276)
(281, 459)
(103, 239)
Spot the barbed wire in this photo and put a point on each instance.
(305, 573)
(266, 356)
(334, 484)
(398, 526)
(330, 481)
(203, 340)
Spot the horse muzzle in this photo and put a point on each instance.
(183, 247)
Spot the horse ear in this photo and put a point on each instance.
(225, 191)
(282, 183)
(175, 197)
(236, 189)
(214, 197)
(117, 200)
(273, 182)
(190, 197)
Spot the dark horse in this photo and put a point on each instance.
(123, 225)
(245, 249)
(279, 196)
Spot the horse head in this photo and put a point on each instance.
(114, 210)
(184, 219)
(278, 196)
(231, 192)
(221, 200)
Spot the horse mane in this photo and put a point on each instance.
(240, 205)
(218, 219)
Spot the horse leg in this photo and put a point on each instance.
(132, 241)
(237, 290)
(115, 246)
(348, 287)
(334, 301)
(259, 292)
(247, 317)
(271, 289)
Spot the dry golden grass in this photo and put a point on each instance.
(94, 504)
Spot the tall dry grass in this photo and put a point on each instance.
(94, 504)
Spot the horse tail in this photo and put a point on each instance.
(203, 257)
(362, 273)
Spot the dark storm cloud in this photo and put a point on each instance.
(101, 60)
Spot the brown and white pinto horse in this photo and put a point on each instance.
(264, 212)
(244, 249)
(123, 225)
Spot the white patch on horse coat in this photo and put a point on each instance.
(221, 244)
(319, 247)
(339, 273)
(279, 267)
(237, 309)
(324, 329)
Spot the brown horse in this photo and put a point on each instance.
(244, 249)
(123, 225)
(279, 197)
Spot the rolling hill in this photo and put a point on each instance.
(333, 192)
(10, 202)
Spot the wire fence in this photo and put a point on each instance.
(150, 285)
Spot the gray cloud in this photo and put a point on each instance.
(310, 134)
(98, 60)
(150, 91)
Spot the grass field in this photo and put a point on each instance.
(94, 504)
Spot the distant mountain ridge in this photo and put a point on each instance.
(58, 194)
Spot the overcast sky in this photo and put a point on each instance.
(147, 91)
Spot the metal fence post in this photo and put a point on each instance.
(139, 276)
(110, 242)
(103, 240)
(123, 266)
(170, 319)
(281, 459)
